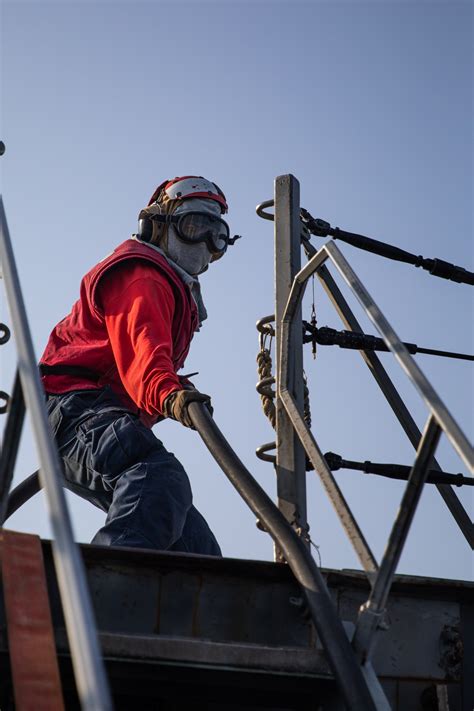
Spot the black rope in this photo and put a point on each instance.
(326, 336)
(436, 267)
(395, 471)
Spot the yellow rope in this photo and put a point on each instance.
(264, 369)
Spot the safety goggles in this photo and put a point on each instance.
(194, 227)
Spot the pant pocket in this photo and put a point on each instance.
(135, 440)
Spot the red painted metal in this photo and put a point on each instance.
(35, 672)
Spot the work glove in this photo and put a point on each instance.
(176, 405)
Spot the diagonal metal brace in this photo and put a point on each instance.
(373, 610)
(336, 496)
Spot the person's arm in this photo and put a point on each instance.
(138, 305)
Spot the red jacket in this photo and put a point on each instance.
(131, 328)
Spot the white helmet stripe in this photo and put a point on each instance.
(190, 186)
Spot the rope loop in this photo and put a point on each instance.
(265, 376)
(264, 369)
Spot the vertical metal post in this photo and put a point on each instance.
(291, 458)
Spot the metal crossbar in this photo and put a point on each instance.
(87, 661)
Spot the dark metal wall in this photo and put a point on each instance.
(234, 634)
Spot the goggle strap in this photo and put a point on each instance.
(165, 219)
(169, 219)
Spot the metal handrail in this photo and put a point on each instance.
(341, 658)
(22, 493)
(80, 624)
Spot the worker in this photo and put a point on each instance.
(110, 371)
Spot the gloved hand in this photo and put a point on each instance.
(176, 405)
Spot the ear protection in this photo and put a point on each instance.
(145, 229)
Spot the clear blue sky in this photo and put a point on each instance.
(368, 104)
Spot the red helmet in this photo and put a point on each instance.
(190, 186)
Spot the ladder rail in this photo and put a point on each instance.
(87, 661)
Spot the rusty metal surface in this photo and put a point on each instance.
(410, 647)
(146, 594)
(31, 643)
(162, 611)
(291, 661)
(467, 636)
